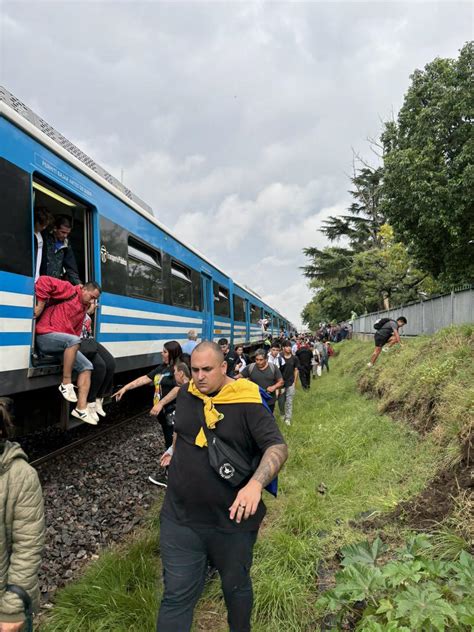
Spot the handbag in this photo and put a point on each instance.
(226, 462)
(27, 604)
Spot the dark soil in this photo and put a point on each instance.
(433, 504)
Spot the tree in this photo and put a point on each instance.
(429, 169)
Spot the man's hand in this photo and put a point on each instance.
(165, 459)
(11, 626)
(156, 410)
(246, 501)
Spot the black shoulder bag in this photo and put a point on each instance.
(26, 599)
(226, 462)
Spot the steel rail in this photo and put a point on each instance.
(70, 446)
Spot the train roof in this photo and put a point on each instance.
(21, 115)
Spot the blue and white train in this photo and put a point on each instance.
(155, 287)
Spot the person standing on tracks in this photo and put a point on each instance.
(387, 334)
(267, 376)
(162, 377)
(22, 530)
(289, 372)
(203, 515)
(58, 258)
(59, 312)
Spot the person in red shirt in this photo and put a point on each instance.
(59, 312)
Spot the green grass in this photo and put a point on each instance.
(339, 438)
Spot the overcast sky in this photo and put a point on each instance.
(234, 121)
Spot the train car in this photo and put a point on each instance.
(154, 287)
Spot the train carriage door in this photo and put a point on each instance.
(207, 307)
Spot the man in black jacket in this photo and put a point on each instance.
(58, 258)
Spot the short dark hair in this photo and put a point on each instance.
(287, 343)
(42, 215)
(183, 367)
(402, 319)
(276, 345)
(223, 341)
(92, 285)
(62, 220)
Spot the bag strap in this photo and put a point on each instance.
(27, 604)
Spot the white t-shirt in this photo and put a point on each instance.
(39, 239)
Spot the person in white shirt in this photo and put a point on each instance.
(43, 219)
(275, 357)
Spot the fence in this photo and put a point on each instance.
(425, 317)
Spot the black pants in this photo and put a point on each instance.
(305, 376)
(167, 430)
(185, 553)
(103, 374)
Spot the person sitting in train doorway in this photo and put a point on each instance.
(42, 219)
(267, 376)
(231, 357)
(59, 312)
(387, 334)
(162, 377)
(22, 531)
(104, 366)
(58, 258)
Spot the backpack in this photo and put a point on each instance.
(381, 322)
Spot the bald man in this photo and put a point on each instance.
(203, 516)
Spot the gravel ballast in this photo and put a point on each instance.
(95, 495)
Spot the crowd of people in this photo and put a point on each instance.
(218, 409)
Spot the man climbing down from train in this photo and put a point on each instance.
(387, 334)
(59, 312)
(213, 509)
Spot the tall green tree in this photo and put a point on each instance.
(429, 168)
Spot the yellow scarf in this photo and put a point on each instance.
(236, 392)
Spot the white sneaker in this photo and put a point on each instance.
(91, 409)
(67, 391)
(84, 415)
(288, 422)
(98, 406)
(369, 364)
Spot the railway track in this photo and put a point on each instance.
(83, 440)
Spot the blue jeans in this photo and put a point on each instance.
(54, 344)
(184, 554)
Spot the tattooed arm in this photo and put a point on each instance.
(246, 501)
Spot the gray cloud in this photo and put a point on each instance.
(235, 121)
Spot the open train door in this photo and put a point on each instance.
(208, 306)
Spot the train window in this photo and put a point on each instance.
(16, 224)
(239, 308)
(221, 301)
(181, 285)
(144, 272)
(255, 314)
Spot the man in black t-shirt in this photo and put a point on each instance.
(388, 334)
(231, 357)
(203, 516)
(305, 355)
(289, 372)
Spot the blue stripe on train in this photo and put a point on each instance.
(16, 283)
(11, 339)
(125, 302)
(181, 335)
(130, 320)
(12, 311)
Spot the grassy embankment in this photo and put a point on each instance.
(347, 458)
